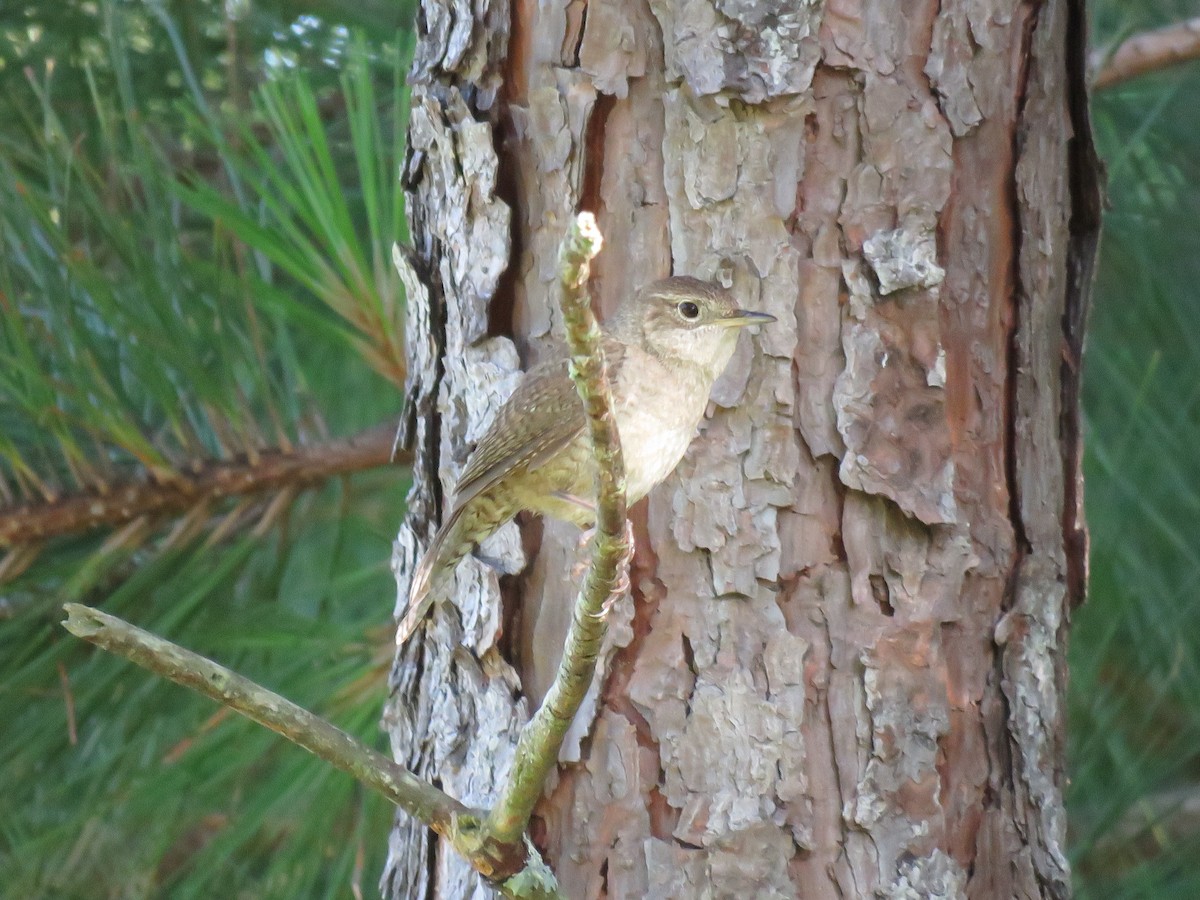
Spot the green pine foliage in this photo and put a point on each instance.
(1134, 722)
(195, 217)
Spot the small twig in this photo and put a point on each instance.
(1147, 52)
(538, 747)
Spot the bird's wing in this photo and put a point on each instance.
(509, 443)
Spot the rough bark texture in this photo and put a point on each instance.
(842, 668)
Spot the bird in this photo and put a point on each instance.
(664, 348)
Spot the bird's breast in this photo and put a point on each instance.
(657, 418)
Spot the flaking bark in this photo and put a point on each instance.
(842, 672)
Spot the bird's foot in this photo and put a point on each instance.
(579, 569)
(581, 560)
(587, 534)
(622, 586)
(620, 591)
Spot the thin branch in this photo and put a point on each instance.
(123, 502)
(1147, 52)
(459, 824)
(1156, 821)
(538, 747)
(314, 734)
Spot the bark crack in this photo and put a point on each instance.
(927, 41)
(1022, 546)
(663, 816)
(590, 197)
(1083, 225)
(577, 51)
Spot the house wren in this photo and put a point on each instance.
(664, 348)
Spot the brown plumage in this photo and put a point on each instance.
(664, 349)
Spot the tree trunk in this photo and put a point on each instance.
(842, 671)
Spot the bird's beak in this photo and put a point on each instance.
(739, 318)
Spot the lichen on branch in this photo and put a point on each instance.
(537, 749)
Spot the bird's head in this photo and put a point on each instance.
(685, 320)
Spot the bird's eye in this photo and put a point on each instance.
(689, 310)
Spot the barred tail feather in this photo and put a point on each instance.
(445, 552)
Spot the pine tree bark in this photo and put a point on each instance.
(842, 669)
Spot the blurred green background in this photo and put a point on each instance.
(197, 206)
(196, 200)
(1134, 796)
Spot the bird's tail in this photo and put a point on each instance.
(435, 569)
